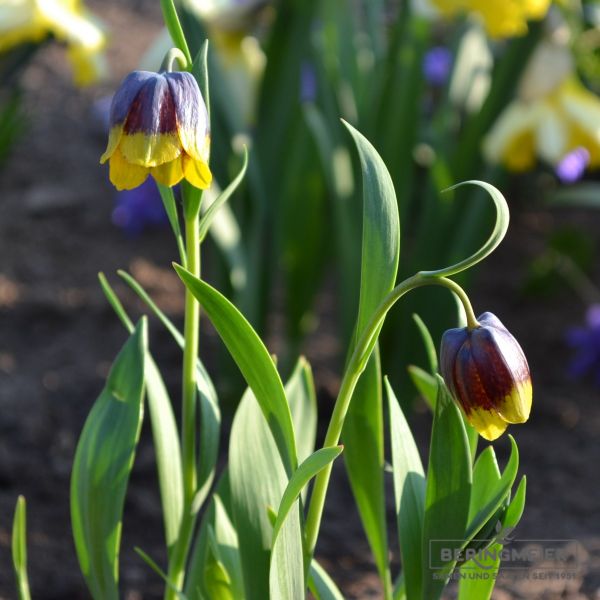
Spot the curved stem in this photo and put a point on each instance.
(173, 55)
(356, 366)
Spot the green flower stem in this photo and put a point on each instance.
(191, 334)
(356, 366)
(174, 26)
(172, 56)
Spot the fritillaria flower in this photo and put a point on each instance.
(487, 373)
(158, 126)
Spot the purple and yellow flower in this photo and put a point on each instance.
(158, 126)
(487, 373)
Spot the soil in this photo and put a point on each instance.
(58, 337)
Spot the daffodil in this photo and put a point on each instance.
(159, 127)
(24, 21)
(487, 373)
(552, 116)
(501, 18)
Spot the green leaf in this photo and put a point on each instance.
(211, 211)
(257, 481)
(253, 360)
(496, 494)
(167, 450)
(154, 566)
(428, 343)
(363, 440)
(409, 489)
(321, 585)
(210, 413)
(164, 432)
(286, 573)
(19, 548)
(363, 427)
(103, 461)
(302, 475)
(425, 383)
(448, 492)
(168, 199)
(300, 392)
(216, 577)
(227, 545)
(496, 237)
(515, 509)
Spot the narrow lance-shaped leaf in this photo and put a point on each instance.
(102, 465)
(19, 549)
(286, 578)
(300, 392)
(363, 429)
(164, 432)
(447, 496)
(210, 415)
(321, 585)
(409, 489)
(253, 360)
(257, 482)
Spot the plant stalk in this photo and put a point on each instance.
(356, 366)
(189, 390)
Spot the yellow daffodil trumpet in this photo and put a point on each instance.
(487, 373)
(158, 126)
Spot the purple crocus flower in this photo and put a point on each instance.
(572, 166)
(437, 63)
(137, 209)
(308, 82)
(585, 341)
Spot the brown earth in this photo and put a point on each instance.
(58, 337)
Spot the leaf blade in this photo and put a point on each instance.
(102, 465)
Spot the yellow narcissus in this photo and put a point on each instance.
(553, 115)
(487, 373)
(159, 127)
(501, 18)
(25, 21)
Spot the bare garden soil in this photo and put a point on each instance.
(58, 337)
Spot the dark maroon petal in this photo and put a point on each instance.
(494, 373)
(470, 391)
(125, 95)
(152, 111)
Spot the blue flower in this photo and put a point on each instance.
(437, 63)
(137, 209)
(585, 341)
(572, 166)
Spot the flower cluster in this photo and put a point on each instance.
(25, 21)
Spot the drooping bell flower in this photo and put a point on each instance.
(487, 373)
(158, 126)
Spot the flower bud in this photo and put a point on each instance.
(487, 373)
(158, 126)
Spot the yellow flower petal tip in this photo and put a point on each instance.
(159, 126)
(487, 373)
